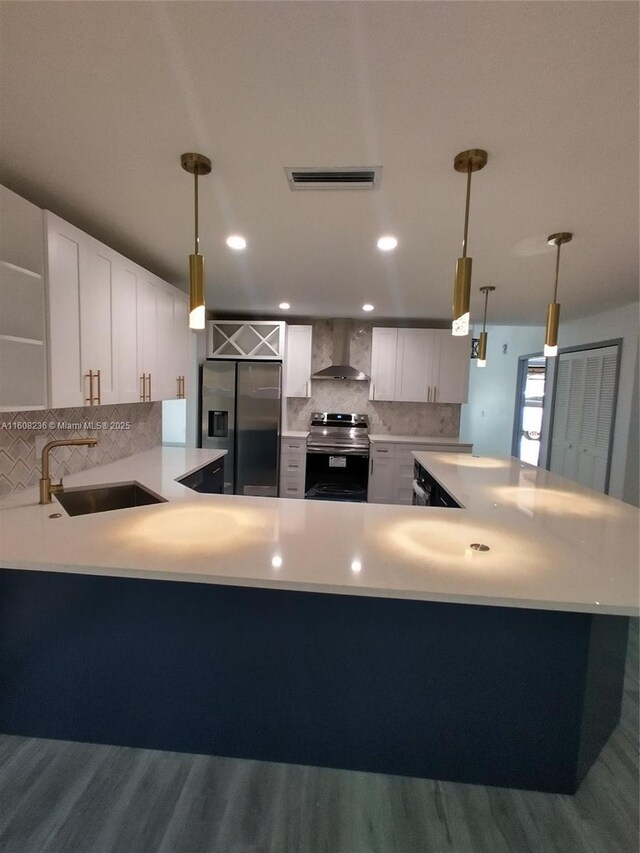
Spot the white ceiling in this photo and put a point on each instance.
(98, 101)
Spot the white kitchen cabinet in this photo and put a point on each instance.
(79, 323)
(293, 462)
(297, 377)
(416, 365)
(97, 338)
(125, 277)
(381, 475)
(391, 468)
(181, 333)
(147, 335)
(419, 366)
(454, 358)
(165, 382)
(64, 247)
(384, 344)
(241, 339)
(23, 382)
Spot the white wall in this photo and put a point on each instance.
(174, 421)
(487, 418)
(609, 325)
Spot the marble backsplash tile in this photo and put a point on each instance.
(20, 443)
(430, 419)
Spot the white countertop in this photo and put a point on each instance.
(419, 439)
(553, 545)
(295, 433)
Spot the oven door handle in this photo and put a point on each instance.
(420, 494)
(345, 451)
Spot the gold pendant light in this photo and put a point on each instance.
(553, 311)
(467, 161)
(482, 344)
(196, 164)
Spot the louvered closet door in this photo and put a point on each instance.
(583, 415)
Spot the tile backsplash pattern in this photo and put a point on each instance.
(20, 458)
(430, 419)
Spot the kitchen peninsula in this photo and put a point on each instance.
(364, 636)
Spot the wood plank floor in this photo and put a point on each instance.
(60, 797)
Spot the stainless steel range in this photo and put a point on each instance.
(337, 457)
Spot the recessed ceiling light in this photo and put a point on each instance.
(368, 306)
(284, 306)
(387, 243)
(237, 242)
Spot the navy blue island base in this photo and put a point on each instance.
(501, 696)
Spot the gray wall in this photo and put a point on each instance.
(487, 418)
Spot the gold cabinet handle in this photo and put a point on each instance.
(99, 396)
(89, 376)
(149, 394)
(143, 383)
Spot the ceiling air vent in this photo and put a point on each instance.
(342, 178)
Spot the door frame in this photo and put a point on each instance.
(613, 342)
(521, 378)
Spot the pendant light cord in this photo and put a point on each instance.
(486, 301)
(195, 195)
(466, 211)
(555, 289)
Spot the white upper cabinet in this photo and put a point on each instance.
(23, 382)
(96, 323)
(63, 274)
(181, 372)
(419, 366)
(297, 381)
(241, 339)
(147, 337)
(80, 324)
(452, 385)
(124, 283)
(384, 343)
(416, 365)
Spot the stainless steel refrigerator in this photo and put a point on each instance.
(240, 405)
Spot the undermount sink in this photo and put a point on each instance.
(106, 498)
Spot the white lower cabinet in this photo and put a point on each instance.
(293, 463)
(391, 469)
(381, 475)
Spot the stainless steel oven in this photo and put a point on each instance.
(337, 466)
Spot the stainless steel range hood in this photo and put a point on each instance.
(340, 367)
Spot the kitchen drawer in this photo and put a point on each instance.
(292, 465)
(291, 487)
(293, 445)
(382, 449)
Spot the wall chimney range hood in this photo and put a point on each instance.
(340, 367)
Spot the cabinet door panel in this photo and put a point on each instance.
(181, 340)
(147, 332)
(298, 368)
(382, 476)
(414, 365)
(165, 382)
(384, 343)
(63, 258)
(125, 314)
(96, 332)
(454, 357)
